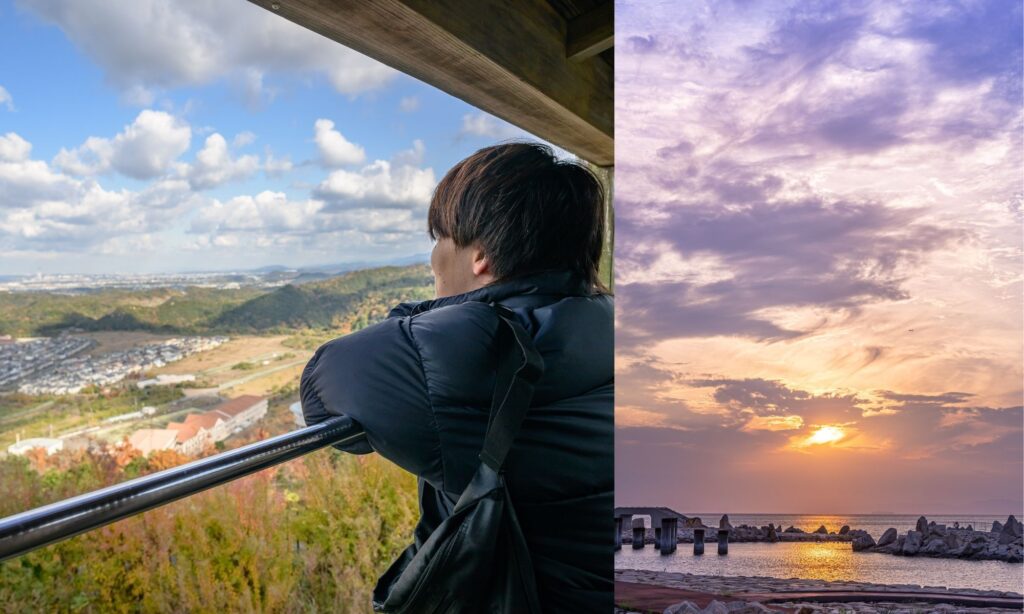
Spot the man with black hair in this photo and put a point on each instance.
(513, 225)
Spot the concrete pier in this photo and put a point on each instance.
(698, 542)
(638, 533)
(669, 535)
(618, 533)
(723, 541)
(657, 538)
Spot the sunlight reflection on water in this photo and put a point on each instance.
(827, 561)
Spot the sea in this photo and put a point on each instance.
(833, 560)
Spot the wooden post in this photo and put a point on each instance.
(606, 175)
(669, 535)
(698, 542)
(723, 541)
(618, 532)
(638, 533)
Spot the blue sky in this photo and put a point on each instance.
(819, 256)
(152, 136)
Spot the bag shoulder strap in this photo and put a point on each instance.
(518, 371)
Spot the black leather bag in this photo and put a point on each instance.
(477, 559)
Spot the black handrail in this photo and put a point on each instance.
(45, 525)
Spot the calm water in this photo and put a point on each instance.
(833, 560)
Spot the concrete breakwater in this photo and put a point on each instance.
(664, 528)
(1002, 542)
(693, 526)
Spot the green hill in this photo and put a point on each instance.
(359, 296)
(353, 299)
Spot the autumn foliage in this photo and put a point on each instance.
(308, 536)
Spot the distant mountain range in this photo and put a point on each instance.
(310, 300)
(344, 267)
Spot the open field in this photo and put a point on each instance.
(215, 367)
(268, 380)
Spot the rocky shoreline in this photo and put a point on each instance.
(1001, 543)
(758, 594)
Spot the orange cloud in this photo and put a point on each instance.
(774, 423)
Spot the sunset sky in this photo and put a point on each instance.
(819, 256)
(152, 136)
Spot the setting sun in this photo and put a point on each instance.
(825, 434)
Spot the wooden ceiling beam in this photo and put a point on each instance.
(591, 33)
(507, 58)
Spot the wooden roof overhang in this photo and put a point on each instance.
(545, 66)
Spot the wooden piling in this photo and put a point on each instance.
(618, 532)
(698, 542)
(723, 541)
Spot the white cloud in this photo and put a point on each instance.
(25, 182)
(5, 99)
(144, 149)
(412, 156)
(482, 124)
(275, 167)
(13, 148)
(214, 165)
(271, 219)
(379, 184)
(156, 44)
(44, 210)
(381, 205)
(335, 150)
(90, 158)
(266, 212)
(138, 95)
(409, 104)
(243, 139)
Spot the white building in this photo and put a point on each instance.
(21, 447)
(215, 423)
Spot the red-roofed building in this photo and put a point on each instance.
(191, 438)
(216, 423)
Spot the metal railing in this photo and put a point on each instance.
(45, 525)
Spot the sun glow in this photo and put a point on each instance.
(825, 434)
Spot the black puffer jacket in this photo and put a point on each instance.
(420, 383)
